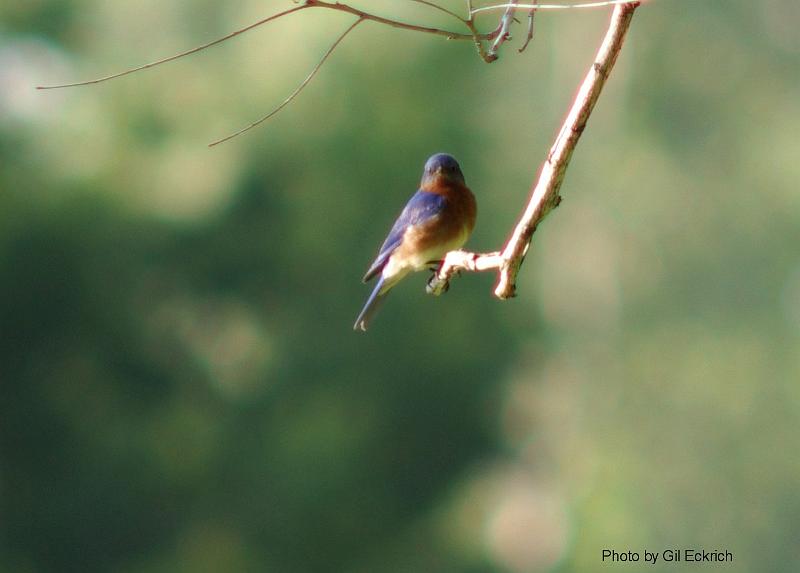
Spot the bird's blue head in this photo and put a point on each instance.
(443, 166)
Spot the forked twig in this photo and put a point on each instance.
(296, 92)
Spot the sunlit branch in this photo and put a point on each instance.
(499, 7)
(529, 35)
(545, 194)
(182, 54)
(296, 92)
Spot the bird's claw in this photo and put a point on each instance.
(437, 286)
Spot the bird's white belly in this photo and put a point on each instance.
(402, 262)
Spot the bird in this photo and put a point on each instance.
(438, 218)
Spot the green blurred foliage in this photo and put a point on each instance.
(181, 390)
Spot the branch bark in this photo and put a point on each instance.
(545, 194)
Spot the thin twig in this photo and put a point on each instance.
(338, 6)
(182, 54)
(440, 8)
(545, 194)
(529, 36)
(296, 92)
(498, 7)
(470, 23)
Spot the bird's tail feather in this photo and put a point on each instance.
(371, 307)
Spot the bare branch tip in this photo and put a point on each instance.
(181, 54)
(299, 88)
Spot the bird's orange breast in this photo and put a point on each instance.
(453, 226)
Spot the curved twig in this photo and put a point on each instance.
(182, 54)
(296, 92)
(440, 8)
(545, 194)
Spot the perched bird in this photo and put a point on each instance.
(438, 218)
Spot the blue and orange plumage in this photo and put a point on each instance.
(438, 218)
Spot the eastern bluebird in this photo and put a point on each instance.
(437, 219)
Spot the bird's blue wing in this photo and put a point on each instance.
(422, 207)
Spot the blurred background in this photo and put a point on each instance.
(181, 387)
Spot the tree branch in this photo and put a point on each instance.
(537, 6)
(545, 194)
(474, 35)
(499, 36)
